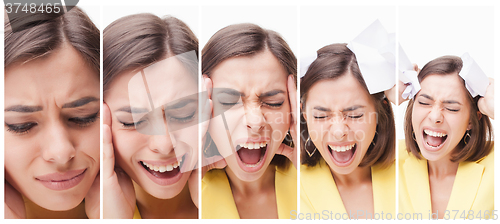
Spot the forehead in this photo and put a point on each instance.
(63, 73)
(258, 72)
(443, 87)
(338, 93)
(165, 81)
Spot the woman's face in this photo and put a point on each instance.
(440, 115)
(52, 128)
(156, 148)
(341, 121)
(250, 93)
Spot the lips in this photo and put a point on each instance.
(251, 154)
(434, 139)
(62, 181)
(163, 172)
(342, 153)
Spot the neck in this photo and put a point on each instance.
(358, 176)
(180, 206)
(34, 211)
(443, 167)
(265, 182)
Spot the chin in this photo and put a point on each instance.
(58, 202)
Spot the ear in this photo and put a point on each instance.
(207, 85)
(479, 116)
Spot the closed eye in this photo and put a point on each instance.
(84, 121)
(275, 104)
(22, 128)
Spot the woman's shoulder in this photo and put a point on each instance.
(487, 161)
(215, 175)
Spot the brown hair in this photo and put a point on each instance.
(139, 40)
(39, 35)
(244, 40)
(479, 144)
(335, 61)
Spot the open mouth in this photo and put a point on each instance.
(164, 173)
(251, 155)
(343, 155)
(434, 140)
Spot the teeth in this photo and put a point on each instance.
(170, 168)
(163, 168)
(434, 134)
(342, 148)
(253, 145)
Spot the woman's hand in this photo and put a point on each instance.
(119, 194)
(285, 150)
(214, 162)
(92, 199)
(486, 103)
(14, 203)
(391, 93)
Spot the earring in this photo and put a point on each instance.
(413, 135)
(206, 148)
(376, 135)
(467, 134)
(305, 145)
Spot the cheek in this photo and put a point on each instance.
(20, 153)
(89, 142)
(127, 143)
(417, 117)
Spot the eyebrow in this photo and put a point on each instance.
(31, 109)
(353, 108)
(23, 108)
(426, 96)
(231, 92)
(180, 104)
(271, 93)
(133, 110)
(80, 102)
(444, 102)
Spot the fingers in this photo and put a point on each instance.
(108, 154)
(92, 200)
(214, 162)
(292, 94)
(289, 152)
(207, 85)
(193, 186)
(106, 115)
(14, 203)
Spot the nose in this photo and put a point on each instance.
(436, 115)
(58, 147)
(255, 119)
(339, 128)
(163, 143)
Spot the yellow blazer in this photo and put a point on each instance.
(137, 215)
(318, 191)
(472, 189)
(217, 200)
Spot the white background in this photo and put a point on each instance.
(428, 32)
(281, 18)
